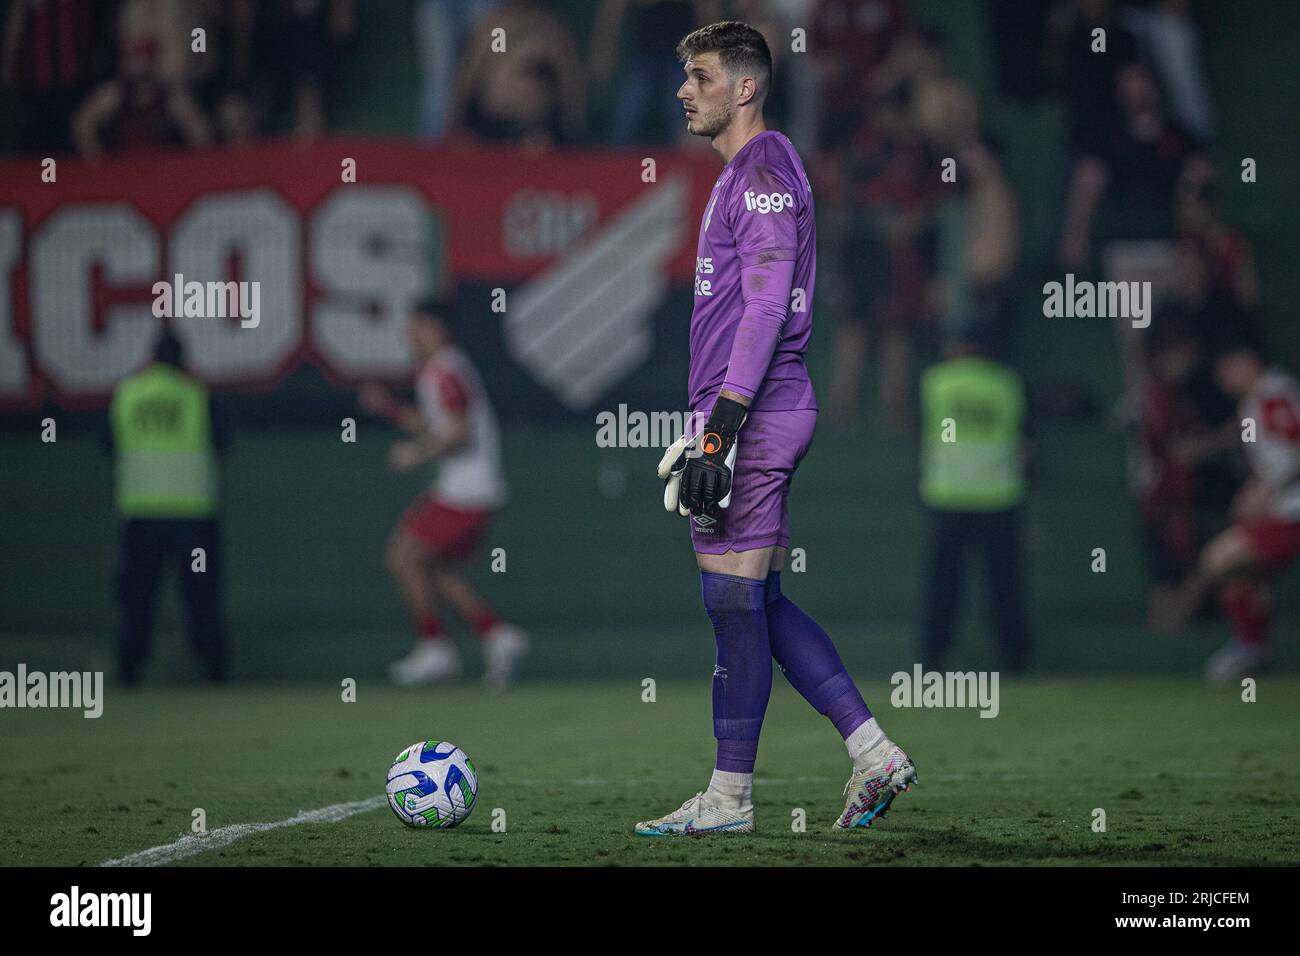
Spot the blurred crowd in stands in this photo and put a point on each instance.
(111, 76)
(906, 260)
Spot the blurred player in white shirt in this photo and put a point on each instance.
(1264, 539)
(455, 426)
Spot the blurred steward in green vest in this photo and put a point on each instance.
(973, 419)
(165, 445)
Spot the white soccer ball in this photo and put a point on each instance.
(432, 784)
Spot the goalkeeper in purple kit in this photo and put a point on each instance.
(753, 415)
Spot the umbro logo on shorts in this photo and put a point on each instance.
(704, 524)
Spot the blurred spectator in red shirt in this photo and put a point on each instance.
(1229, 261)
(917, 113)
(146, 105)
(848, 43)
(1137, 167)
(53, 53)
(441, 30)
(849, 40)
(1167, 484)
(532, 93)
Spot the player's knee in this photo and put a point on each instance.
(1212, 565)
(442, 570)
(402, 557)
(1225, 556)
(726, 595)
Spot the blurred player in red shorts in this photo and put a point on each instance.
(1264, 538)
(455, 425)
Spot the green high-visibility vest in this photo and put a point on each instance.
(162, 433)
(972, 415)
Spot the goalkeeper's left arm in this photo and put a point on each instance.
(766, 288)
(701, 478)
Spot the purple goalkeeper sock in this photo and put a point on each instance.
(810, 662)
(742, 679)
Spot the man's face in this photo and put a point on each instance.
(1136, 88)
(1234, 372)
(424, 336)
(706, 96)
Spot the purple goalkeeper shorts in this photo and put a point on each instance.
(770, 447)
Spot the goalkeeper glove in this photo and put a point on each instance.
(670, 471)
(706, 477)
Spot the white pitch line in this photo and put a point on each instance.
(191, 844)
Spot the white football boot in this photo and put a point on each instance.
(503, 647)
(427, 663)
(870, 791)
(696, 818)
(1236, 659)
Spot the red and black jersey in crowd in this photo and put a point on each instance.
(854, 37)
(65, 44)
(143, 121)
(1169, 414)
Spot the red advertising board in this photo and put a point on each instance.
(339, 236)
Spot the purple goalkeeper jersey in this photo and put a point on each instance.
(761, 211)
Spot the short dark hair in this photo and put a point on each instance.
(436, 308)
(741, 49)
(1232, 337)
(1169, 331)
(168, 348)
(981, 329)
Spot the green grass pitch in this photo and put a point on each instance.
(1186, 774)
